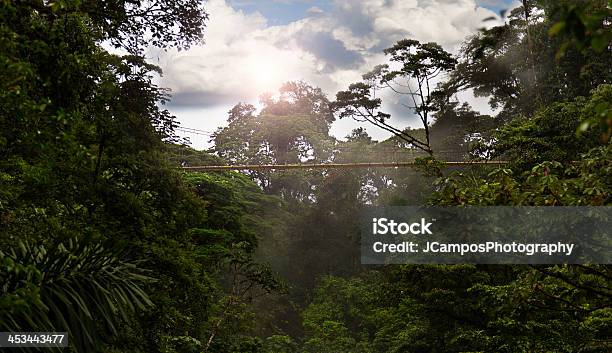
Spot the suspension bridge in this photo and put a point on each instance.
(259, 167)
(386, 157)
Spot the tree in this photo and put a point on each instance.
(581, 24)
(292, 128)
(522, 73)
(240, 215)
(418, 65)
(300, 98)
(551, 133)
(133, 25)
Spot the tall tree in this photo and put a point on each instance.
(412, 73)
(291, 128)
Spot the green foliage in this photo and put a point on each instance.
(239, 214)
(73, 287)
(583, 24)
(335, 306)
(80, 139)
(462, 308)
(279, 344)
(598, 114)
(181, 155)
(516, 65)
(459, 129)
(550, 135)
(586, 182)
(168, 23)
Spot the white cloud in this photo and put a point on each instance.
(244, 56)
(446, 22)
(288, 2)
(314, 11)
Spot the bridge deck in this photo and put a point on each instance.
(205, 168)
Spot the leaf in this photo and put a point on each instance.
(84, 285)
(556, 28)
(599, 43)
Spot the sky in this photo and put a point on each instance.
(253, 46)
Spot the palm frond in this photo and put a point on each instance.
(75, 286)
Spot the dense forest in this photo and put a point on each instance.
(104, 236)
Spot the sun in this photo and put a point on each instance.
(265, 74)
